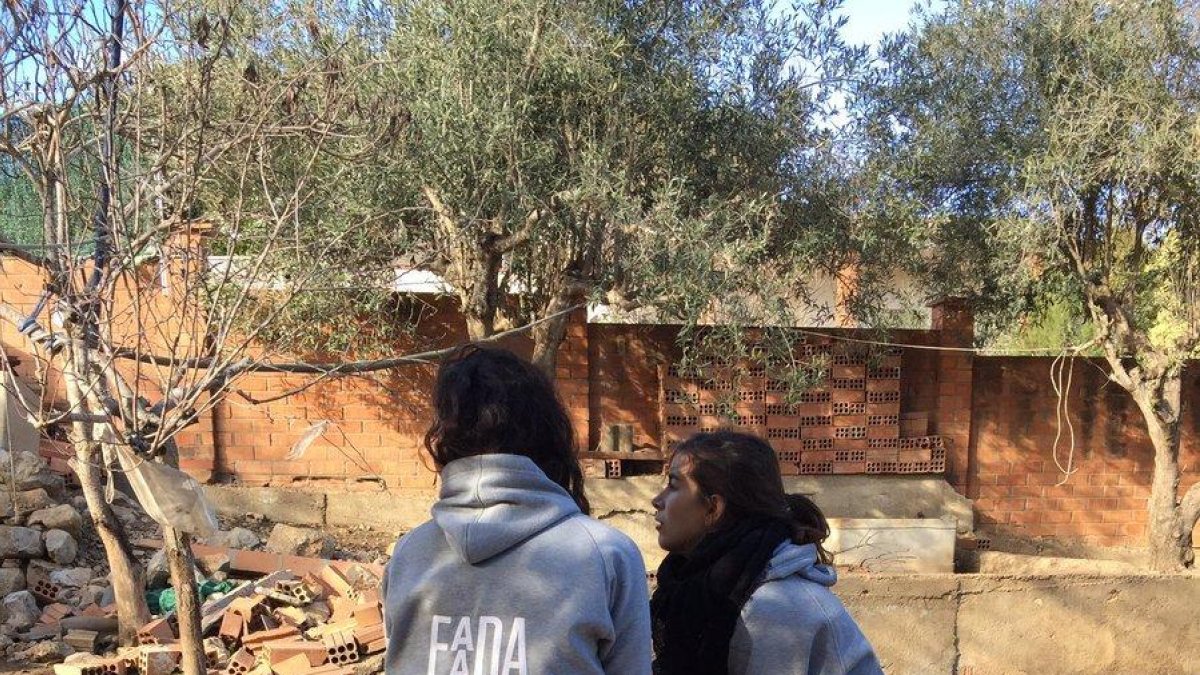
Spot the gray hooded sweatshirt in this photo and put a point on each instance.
(511, 578)
(792, 623)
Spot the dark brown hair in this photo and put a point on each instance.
(744, 470)
(490, 401)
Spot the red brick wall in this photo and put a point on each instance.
(160, 320)
(996, 415)
(1019, 490)
(625, 360)
(375, 424)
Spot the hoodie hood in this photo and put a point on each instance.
(799, 560)
(490, 503)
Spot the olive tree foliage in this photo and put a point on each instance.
(645, 154)
(1045, 156)
(116, 119)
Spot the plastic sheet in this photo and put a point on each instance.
(169, 496)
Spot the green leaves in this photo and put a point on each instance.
(1033, 153)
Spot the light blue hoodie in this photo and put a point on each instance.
(510, 577)
(792, 623)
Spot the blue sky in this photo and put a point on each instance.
(870, 19)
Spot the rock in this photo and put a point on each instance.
(303, 541)
(27, 500)
(20, 610)
(30, 471)
(213, 565)
(158, 573)
(12, 579)
(79, 502)
(92, 595)
(54, 484)
(125, 515)
(74, 577)
(67, 596)
(24, 467)
(318, 612)
(81, 660)
(62, 517)
(361, 578)
(20, 542)
(61, 547)
(50, 651)
(369, 666)
(238, 537)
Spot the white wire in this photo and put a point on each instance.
(1061, 411)
(940, 348)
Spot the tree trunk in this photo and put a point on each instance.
(181, 562)
(548, 336)
(1170, 541)
(1168, 537)
(125, 574)
(477, 328)
(475, 272)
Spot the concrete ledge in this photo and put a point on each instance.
(838, 497)
(998, 562)
(917, 546)
(294, 507)
(378, 510)
(884, 496)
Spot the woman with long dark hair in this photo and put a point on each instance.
(744, 588)
(510, 575)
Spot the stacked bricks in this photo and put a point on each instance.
(848, 422)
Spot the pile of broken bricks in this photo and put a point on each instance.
(326, 612)
(327, 622)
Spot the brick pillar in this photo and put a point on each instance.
(954, 322)
(571, 373)
(182, 266)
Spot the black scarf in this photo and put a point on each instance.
(695, 608)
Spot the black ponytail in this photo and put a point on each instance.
(744, 469)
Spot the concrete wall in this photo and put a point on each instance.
(623, 504)
(927, 624)
(989, 625)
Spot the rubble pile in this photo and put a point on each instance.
(285, 610)
(49, 596)
(329, 623)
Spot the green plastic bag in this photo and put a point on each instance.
(164, 600)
